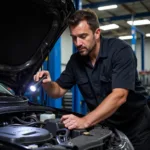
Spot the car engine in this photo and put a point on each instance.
(25, 126)
(42, 130)
(30, 131)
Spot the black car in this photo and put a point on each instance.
(29, 30)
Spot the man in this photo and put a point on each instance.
(105, 72)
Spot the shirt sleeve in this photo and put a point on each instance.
(124, 68)
(66, 79)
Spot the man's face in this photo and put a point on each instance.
(83, 38)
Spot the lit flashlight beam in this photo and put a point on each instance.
(33, 87)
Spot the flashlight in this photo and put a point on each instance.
(33, 87)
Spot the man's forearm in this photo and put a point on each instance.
(52, 89)
(109, 105)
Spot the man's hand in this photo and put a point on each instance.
(73, 122)
(45, 82)
(40, 74)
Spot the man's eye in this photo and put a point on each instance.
(83, 36)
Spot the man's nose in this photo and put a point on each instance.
(78, 42)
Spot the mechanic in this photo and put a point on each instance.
(105, 71)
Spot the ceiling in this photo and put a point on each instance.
(126, 10)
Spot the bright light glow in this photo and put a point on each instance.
(109, 27)
(139, 22)
(127, 37)
(148, 35)
(32, 88)
(107, 7)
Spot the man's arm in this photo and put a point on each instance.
(51, 88)
(108, 106)
(54, 90)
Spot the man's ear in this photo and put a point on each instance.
(97, 33)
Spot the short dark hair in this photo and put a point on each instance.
(84, 14)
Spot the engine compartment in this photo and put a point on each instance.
(28, 130)
(28, 126)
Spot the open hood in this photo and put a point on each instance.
(29, 29)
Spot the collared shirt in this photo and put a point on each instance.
(115, 67)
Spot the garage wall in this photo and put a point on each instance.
(66, 50)
(147, 54)
(138, 53)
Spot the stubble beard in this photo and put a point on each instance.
(88, 51)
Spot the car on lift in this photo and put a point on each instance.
(29, 29)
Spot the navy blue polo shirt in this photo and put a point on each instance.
(115, 67)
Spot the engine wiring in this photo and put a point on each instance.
(33, 121)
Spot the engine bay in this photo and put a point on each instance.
(43, 130)
(28, 126)
(25, 125)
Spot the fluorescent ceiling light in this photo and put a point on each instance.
(147, 34)
(107, 7)
(109, 27)
(139, 22)
(127, 37)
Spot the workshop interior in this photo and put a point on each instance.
(35, 36)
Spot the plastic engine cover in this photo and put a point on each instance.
(24, 134)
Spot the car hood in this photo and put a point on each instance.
(29, 29)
